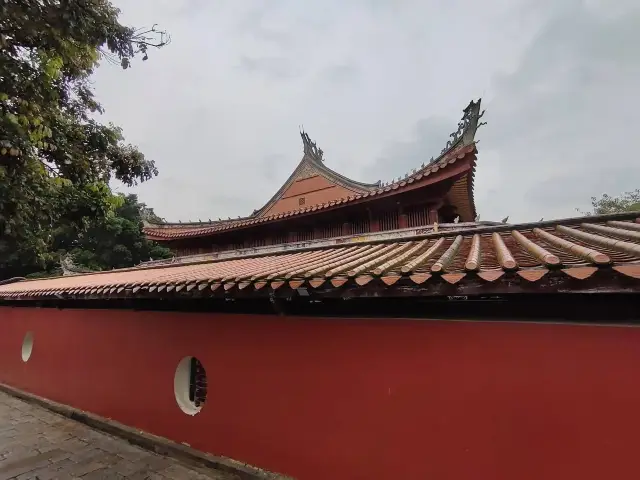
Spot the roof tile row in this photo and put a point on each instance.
(578, 250)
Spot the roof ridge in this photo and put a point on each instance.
(464, 136)
(313, 157)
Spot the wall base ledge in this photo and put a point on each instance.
(154, 443)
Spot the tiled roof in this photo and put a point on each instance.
(170, 231)
(571, 249)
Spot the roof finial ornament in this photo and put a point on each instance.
(70, 268)
(466, 127)
(310, 147)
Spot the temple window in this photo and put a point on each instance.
(27, 346)
(417, 216)
(190, 385)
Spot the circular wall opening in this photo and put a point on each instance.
(27, 346)
(190, 385)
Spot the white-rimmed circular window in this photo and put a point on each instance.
(27, 346)
(190, 385)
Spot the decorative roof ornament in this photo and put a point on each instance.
(69, 268)
(310, 147)
(466, 127)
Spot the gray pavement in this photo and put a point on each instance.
(36, 444)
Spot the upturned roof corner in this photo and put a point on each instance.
(467, 127)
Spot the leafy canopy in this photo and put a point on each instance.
(115, 241)
(56, 159)
(627, 202)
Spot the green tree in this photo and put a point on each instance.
(627, 202)
(116, 241)
(56, 160)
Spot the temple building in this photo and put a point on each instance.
(317, 203)
(347, 330)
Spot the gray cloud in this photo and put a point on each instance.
(380, 84)
(560, 122)
(339, 74)
(277, 67)
(398, 158)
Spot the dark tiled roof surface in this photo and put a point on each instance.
(170, 231)
(576, 248)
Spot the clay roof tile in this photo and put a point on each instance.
(580, 247)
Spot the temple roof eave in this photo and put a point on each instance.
(461, 143)
(432, 173)
(564, 252)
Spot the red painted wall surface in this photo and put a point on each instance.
(352, 399)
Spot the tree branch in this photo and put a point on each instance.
(52, 170)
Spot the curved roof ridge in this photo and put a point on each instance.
(314, 157)
(333, 173)
(190, 224)
(464, 136)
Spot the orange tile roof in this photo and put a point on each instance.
(576, 248)
(171, 231)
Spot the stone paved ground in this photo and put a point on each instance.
(36, 444)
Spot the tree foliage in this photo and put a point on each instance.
(56, 159)
(627, 202)
(115, 241)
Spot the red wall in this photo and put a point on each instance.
(352, 399)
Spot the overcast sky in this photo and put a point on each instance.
(379, 85)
